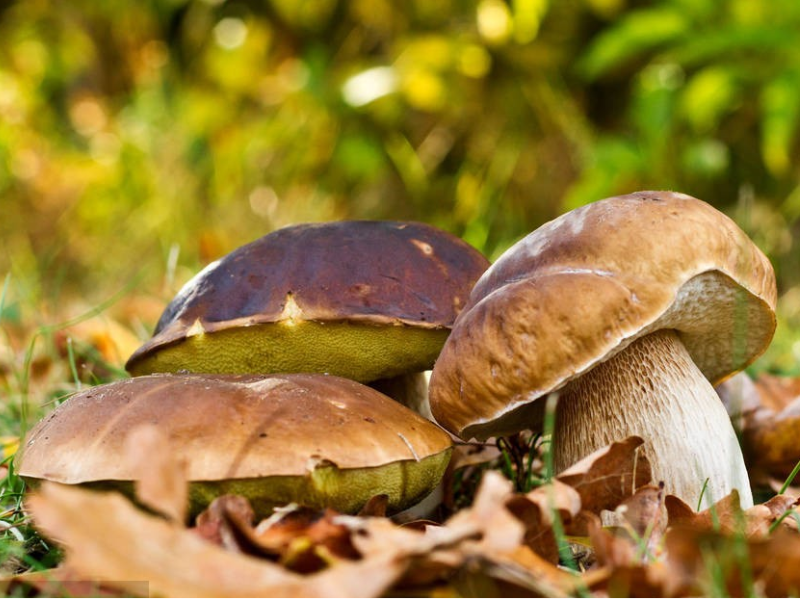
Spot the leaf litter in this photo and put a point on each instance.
(622, 536)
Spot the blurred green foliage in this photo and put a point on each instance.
(140, 140)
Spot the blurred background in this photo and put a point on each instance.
(141, 140)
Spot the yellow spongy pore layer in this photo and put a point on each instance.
(353, 350)
(405, 482)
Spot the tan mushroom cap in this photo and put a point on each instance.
(310, 438)
(361, 299)
(581, 288)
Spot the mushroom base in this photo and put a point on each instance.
(653, 389)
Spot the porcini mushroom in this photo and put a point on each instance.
(317, 440)
(630, 308)
(366, 300)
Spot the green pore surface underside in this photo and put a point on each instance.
(344, 490)
(353, 350)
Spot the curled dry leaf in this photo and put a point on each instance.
(500, 531)
(537, 510)
(623, 566)
(642, 520)
(375, 506)
(643, 512)
(62, 582)
(108, 539)
(305, 540)
(778, 508)
(480, 547)
(607, 477)
(767, 412)
(221, 521)
(466, 455)
(726, 516)
(771, 443)
(716, 564)
(161, 482)
(502, 548)
(520, 573)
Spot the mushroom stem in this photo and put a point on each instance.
(410, 390)
(653, 389)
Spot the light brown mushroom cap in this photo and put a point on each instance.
(309, 438)
(581, 288)
(361, 299)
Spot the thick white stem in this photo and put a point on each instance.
(410, 390)
(653, 389)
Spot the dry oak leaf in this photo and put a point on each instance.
(623, 568)
(537, 510)
(606, 477)
(726, 516)
(767, 412)
(61, 582)
(642, 519)
(221, 521)
(716, 564)
(108, 539)
(501, 549)
(480, 548)
(160, 480)
(303, 540)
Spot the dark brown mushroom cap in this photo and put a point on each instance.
(582, 287)
(248, 428)
(366, 273)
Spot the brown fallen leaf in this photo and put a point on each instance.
(767, 412)
(633, 581)
(770, 443)
(725, 516)
(537, 510)
(108, 539)
(521, 573)
(501, 549)
(777, 392)
(642, 519)
(623, 567)
(305, 540)
(375, 506)
(708, 563)
(219, 522)
(642, 511)
(498, 528)
(466, 462)
(607, 477)
(479, 549)
(62, 582)
(610, 550)
(112, 340)
(777, 508)
(160, 480)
